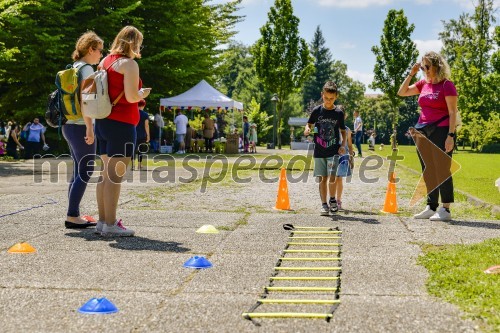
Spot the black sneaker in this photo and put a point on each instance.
(324, 210)
(333, 206)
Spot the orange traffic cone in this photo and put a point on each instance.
(282, 201)
(391, 203)
(22, 248)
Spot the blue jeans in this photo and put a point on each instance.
(359, 136)
(83, 156)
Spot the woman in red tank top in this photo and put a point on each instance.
(116, 134)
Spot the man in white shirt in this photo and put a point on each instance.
(358, 130)
(181, 122)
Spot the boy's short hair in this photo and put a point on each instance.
(330, 87)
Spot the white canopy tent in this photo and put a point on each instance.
(202, 95)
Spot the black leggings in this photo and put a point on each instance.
(208, 144)
(439, 169)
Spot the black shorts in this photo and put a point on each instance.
(115, 138)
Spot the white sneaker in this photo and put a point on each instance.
(441, 215)
(325, 210)
(117, 229)
(425, 214)
(98, 227)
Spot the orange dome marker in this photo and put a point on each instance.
(22, 248)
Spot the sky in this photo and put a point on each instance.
(352, 27)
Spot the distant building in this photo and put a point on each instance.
(373, 95)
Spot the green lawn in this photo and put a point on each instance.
(476, 177)
(456, 274)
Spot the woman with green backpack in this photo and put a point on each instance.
(79, 133)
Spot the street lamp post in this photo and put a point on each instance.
(275, 100)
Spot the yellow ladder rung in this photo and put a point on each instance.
(297, 301)
(314, 237)
(317, 232)
(310, 259)
(314, 244)
(307, 268)
(311, 251)
(301, 288)
(287, 315)
(304, 278)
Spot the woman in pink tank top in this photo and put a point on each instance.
(116, 134)
(436, 128)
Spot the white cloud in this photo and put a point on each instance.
(365, 78)
(424, 46)
(471, 4)
(353, 3)
(347, 45)
(465, 3)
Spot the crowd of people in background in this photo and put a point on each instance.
(19, 141)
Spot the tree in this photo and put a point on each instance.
(261, 119)
(182, 40)
(351, 92)
(394, 56)
(322, 68)
(282, 58)
(472, 50)
(238, 80)
(377, 115)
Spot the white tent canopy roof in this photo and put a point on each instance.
(202, 95)
(294, 121)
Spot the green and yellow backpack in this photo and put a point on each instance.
(64, 102)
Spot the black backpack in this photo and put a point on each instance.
(54, 116)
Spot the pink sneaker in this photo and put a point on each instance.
(117, 229)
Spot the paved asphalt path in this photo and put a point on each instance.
(382, 287)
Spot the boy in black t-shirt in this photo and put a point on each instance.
(328, 123)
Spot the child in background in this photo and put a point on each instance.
(253, 138)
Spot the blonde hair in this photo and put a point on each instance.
(86, 41)
(442, 67)
(127, 42)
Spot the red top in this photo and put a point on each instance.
(123, 110)
(432, 101)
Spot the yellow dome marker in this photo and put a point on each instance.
(207, 229)
(22, 248)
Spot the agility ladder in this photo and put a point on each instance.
(328, 245)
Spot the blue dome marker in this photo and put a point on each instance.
(98, 306)
(198, 262)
